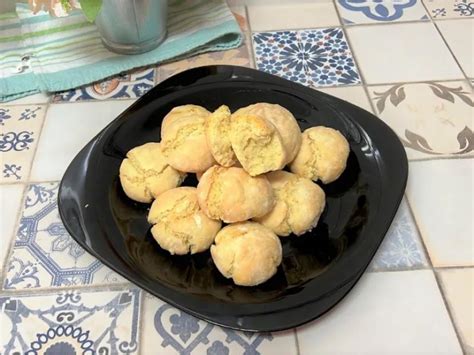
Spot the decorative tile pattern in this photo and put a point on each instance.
(20, 127)
(440, 9)
(10, 201)
(369, 11)
(44, 254)
(439, 192)
(295, 14)
(400, 312)
(123, 86)
(432, 119)
(71, 322)
(401, 248)
(310, 57)
(402, 52)
(455, 33)
(177, 332)
(458, 286)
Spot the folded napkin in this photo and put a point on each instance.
(43, 53)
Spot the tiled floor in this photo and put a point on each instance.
(407, 61)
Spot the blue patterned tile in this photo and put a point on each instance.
(20, 127)
(123, 86)
(314, 58)
(401, 248)
(72, 322)
(441, 9)
(176, 332)
(44, 254)
(369, 11)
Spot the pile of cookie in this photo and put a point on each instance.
(237, 158)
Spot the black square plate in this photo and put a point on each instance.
(318, 268)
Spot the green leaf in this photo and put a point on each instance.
(91, 8)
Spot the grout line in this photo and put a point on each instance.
(444, 40)
(428, 258)
(446, 157)
(55, 289)
(297, 343)
(250, 38)
(442, 19)
(401, 269)
(40, 131)
(416, 82)
(454, 267)
(141, 322)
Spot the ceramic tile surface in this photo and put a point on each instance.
(409, 62)
(71, 322)
(455, 34)
(123, 86)
(439, 192)
(315, 58)
(176, 332)
(441, 9)
(20, 128)
(432, 119)
(367, 11)
(10, 200)
(265, 17)
(44, 254)
(400, 310)
(458, 285)
(83, 123)
(401, 248)
(392, 53)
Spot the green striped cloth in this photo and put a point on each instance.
(43, 53)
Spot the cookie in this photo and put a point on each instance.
(299, 204)
(145, 173)
(232, 195)
(217, 134)
(322, 156)
(247, 252)
(179, 225)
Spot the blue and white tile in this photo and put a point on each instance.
(393, 54)
(315, 58)
(44, 254)
(20, 128)
(71, 322)
(440, 194)
(10, 201)
(401, 248)
(444, 9)
(129, 85)
(66, 130)
(369, 11)
(399, 312)
(171, 331)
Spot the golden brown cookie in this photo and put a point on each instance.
(179, 225)
(145, 173)
(299, 204)
(218, 140)
(247, 252)
(183, 138)
(322, 156)
(232, 195)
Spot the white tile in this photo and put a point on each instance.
(458, 288)
(392, 53)
(386, 313)
(440, 193)
(353, 94)
(176, 332)
(460, 38)
(10, 201)
(67, 129)
(291, 16)
(39, 98)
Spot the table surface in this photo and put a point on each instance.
(409, 62)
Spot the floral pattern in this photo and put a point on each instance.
(450, 8)
(44, 254)
(122, 86)
(71, 323)
(310, 57)
(366, 11)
